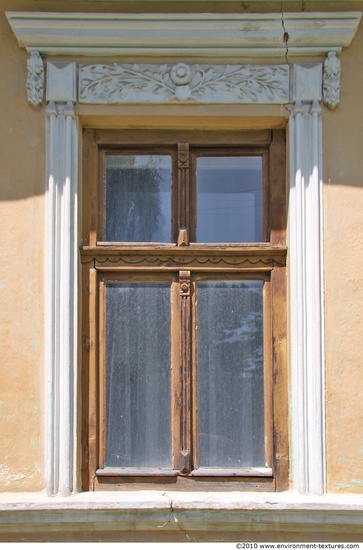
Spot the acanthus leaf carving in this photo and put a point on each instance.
(331, 81)
(35, 80)
(182, 83)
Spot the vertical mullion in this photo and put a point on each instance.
(101, 198)
(194, 374)
(90, 190)
(185, 371)
(176, 372)
(102, 374)
(268, 379)
(266, 220)
(183, 194)
(193, 198)
(93, 418)
(277, 193)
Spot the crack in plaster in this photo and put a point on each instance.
(173, 515)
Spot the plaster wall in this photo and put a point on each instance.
(22, 183)
(22, 168)
(343, 196)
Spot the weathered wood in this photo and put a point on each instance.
(185, 367)
(280, 379)
(89, 188)
(195, 137)
(268, 372)
(183, 263)
(136, 472)
(102, 371)
(229, 472)
(183, 191)
(92, 367)
(278, 194)
(184, 483)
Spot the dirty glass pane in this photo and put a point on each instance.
(138, 198)
(138, 383)
(229, 199)
(230, 374)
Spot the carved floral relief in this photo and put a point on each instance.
(331, 80)
(116, 83)
(35, 80)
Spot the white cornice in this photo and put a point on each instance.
(184, 35)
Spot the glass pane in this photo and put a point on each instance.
(230, 374)
(138, 383)
(229, 199)
(138, 198)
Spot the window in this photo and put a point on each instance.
(184, 310)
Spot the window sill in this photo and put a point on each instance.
(194, 516)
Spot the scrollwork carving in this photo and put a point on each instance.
(173, 262)
(35, 80)
(140, 83)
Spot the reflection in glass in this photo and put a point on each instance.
(138, 198)
(138, 381)
(229, 199)
(230, 374)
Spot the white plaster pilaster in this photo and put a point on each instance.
(306, 284)
(61, 279)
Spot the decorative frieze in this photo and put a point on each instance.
(179, 83)
(183, 83)
(35, 80)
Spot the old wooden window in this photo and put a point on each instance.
(184, 313)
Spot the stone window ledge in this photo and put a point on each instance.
(198, 516)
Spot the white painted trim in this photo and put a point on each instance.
(306, 299)
(61, 293)
(184, 35)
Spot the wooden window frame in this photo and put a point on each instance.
(185, 260)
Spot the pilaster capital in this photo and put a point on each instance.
(307, 82)
(61, 82)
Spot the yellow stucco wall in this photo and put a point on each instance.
(21, 273)
(22, 183)
(343, 196)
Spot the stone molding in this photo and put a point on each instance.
(194, 516)
(116, 83)
(209, 35)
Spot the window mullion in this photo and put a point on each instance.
(183, 194)
(185, 459)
